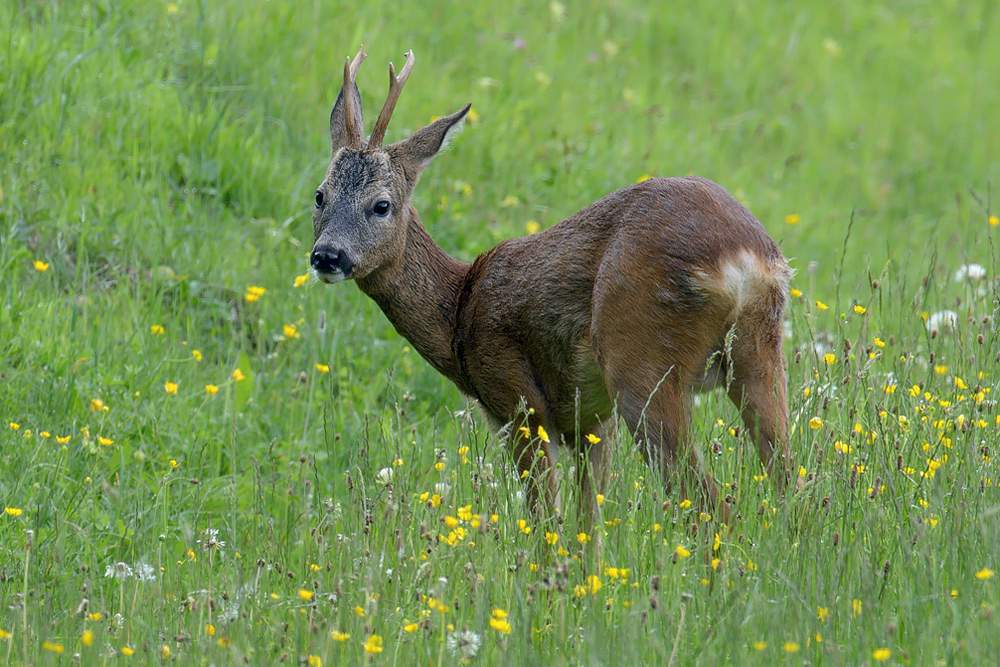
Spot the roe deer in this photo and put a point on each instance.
(625, 308)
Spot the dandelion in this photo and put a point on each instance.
(4, 634)
(881, 654)
(551, 538)
(582, 538)
(164, 652)
(464, 644)
(860, 310)
(984, 574)
(238, 375)
(53, 647)
(118, 570)
(879, 342)
(13, 511)
(315, 661)
(62, 440)
(40, 266)
(290, 331)
(795, 293)
(815, 423)
(359, 611)
(211, 389)
(373, 645)
(994, 221)
(682, 552)
(523, 526)
(791, 647)
(684, 504)
(14, 426)
(532, 227)
(105, 442)
(822, 306)
(128, 650)
(97, 405)
(822, 613)
(500, 622)
(170, 388)
(300, 280)
(829, 359)
(600, 499)
(856, 606)
(157, 329)
(337, 636)
(759, 645)
(143, 572)
(322, 368)
(254, 293)
(943, 320)
(210, 539)
(970, 272)
(793, 219)
(542, 435)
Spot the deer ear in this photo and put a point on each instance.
(416, 151)
(338, 127)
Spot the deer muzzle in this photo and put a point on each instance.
(331, 264)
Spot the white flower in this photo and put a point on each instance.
(943, 320)
(442, 488)
(118, 571)
(210, 539)
(145, 572)
(970, 272)
(384, 476)
(464, 644)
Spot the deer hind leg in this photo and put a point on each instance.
(593, 465)
(536, 465)
(758, 386)
(654, 406)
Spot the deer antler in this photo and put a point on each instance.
(352, 101)
(395, 88)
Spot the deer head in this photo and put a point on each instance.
(363, 205)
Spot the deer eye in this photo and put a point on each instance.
(381, 208)
(319, 199)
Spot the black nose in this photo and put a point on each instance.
(329, 260)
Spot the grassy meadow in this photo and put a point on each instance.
(207, 457)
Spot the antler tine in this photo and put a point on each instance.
(395, 88)
(352, 101)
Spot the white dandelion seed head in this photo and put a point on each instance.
(210, 539)
(942, 321)
(971, 272)
(144, 571)
(464, 644)
(118, 570)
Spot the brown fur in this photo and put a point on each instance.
(655, 291)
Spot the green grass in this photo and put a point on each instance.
(161, 160)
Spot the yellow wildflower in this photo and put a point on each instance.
(373, 645)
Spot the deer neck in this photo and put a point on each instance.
(419, 293)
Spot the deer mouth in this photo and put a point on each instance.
(331, 265)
